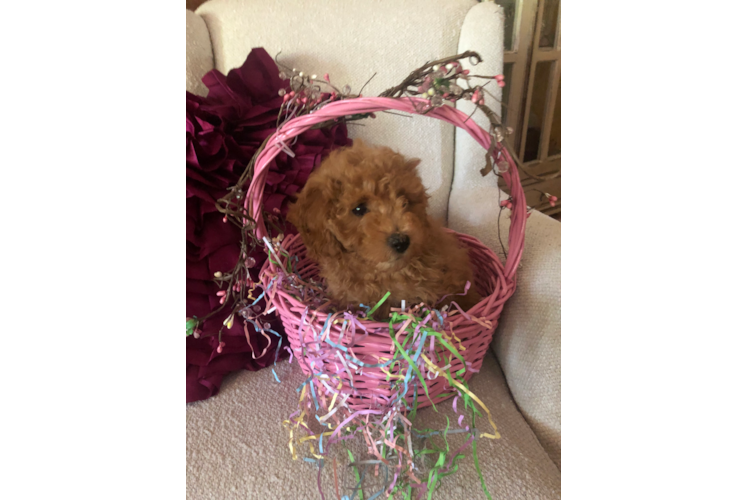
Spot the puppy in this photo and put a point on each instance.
(362, 216)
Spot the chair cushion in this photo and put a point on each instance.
(236, 447)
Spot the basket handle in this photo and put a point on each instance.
(279, 140)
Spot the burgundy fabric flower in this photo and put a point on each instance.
(224, 131)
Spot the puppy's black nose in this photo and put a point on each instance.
(399, 242)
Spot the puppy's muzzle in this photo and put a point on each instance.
(399, 242)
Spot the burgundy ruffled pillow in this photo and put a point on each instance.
(224, 131)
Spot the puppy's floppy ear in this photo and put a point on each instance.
(311, 215)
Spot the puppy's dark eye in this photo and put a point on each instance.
(360, 210)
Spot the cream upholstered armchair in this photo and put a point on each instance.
(235, 445)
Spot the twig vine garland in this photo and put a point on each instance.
(423, 343)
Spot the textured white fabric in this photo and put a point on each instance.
(351, 41)
(199, 53)
(528, 340)
(529, 334)
(237, 449)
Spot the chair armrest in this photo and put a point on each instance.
(528, 339)
(199, 53)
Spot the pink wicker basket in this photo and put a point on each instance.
(370, 341)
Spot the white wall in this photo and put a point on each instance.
(654, 17)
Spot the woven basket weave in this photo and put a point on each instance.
(371, 341)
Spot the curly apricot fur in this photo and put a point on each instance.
(353, 251)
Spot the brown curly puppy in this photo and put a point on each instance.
(362, 216)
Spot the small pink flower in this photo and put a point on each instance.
(327, 78)
(465, 71)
